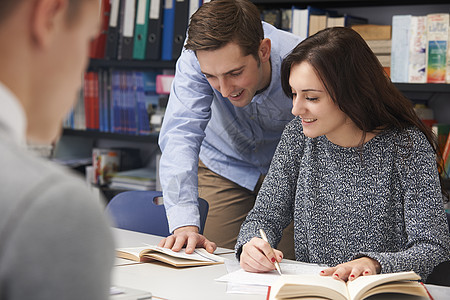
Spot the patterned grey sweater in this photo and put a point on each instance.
(384, 202)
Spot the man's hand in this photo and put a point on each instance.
(353, 269)
(257, 256)
(187, 236)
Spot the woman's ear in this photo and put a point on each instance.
(46, 18)
(265, 47)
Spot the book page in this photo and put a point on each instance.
(240, 276)
(199, 254)
(175, 261)
(362, 284)
(413, 288)
(293, 286)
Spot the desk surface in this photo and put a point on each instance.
(166, 282)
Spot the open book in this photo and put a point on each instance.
(149, 253)
(298, 286)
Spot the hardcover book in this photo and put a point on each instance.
(325, 287)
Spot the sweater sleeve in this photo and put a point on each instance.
(274, 206)
(428, 241)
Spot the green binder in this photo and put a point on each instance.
(141, 28)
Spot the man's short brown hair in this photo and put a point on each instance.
(220, 22)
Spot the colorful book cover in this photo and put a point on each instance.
(417, 50)
(437, 32)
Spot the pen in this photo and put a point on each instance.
(264, 237)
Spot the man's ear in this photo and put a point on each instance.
(265, 47)
(46, 16)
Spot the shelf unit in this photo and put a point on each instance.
(346, 3)
(79, 143)
(151, 138)
(95, 64)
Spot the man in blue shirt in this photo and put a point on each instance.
(225, 116)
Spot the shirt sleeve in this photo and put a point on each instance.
(183, 130)
(428, 240)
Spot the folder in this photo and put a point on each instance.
(113, 30)
(141, 29)
(153, 47)
(125, 50)
(168, 30)
(180, 26)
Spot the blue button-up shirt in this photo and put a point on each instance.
(235, 142)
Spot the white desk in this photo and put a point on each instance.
(166, 282)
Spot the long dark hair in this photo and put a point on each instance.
(356, 81)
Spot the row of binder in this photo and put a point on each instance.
(143, 29)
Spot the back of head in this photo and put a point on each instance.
(219, 22)
(7, 7)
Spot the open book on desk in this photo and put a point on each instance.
(150, 253)
(325, 287)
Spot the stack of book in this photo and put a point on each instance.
(142, 179)
(379, 39)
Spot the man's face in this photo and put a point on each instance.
(235, 76)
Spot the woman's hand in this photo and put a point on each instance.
(353, 269)
(258, 256)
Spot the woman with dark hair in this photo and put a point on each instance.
(356, 170)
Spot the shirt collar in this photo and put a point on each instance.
(12, 115)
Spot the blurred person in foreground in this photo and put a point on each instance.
(55, 241)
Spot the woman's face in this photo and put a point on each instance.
(319, 113)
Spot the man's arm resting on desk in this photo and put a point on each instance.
(189, 236)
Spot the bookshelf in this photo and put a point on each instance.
(78, 144)
(346, 3)
(151, 138)
(437, 95)
(380, 12)
(96, 64)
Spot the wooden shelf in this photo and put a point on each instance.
(131, 64)
(152, 138)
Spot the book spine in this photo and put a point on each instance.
(417, 50)
(400, 48)
(437, 32)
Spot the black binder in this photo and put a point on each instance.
(112, 39)
(153, 47)
(127, 32)
(180, 26)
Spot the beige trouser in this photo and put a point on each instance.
(229, 204)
